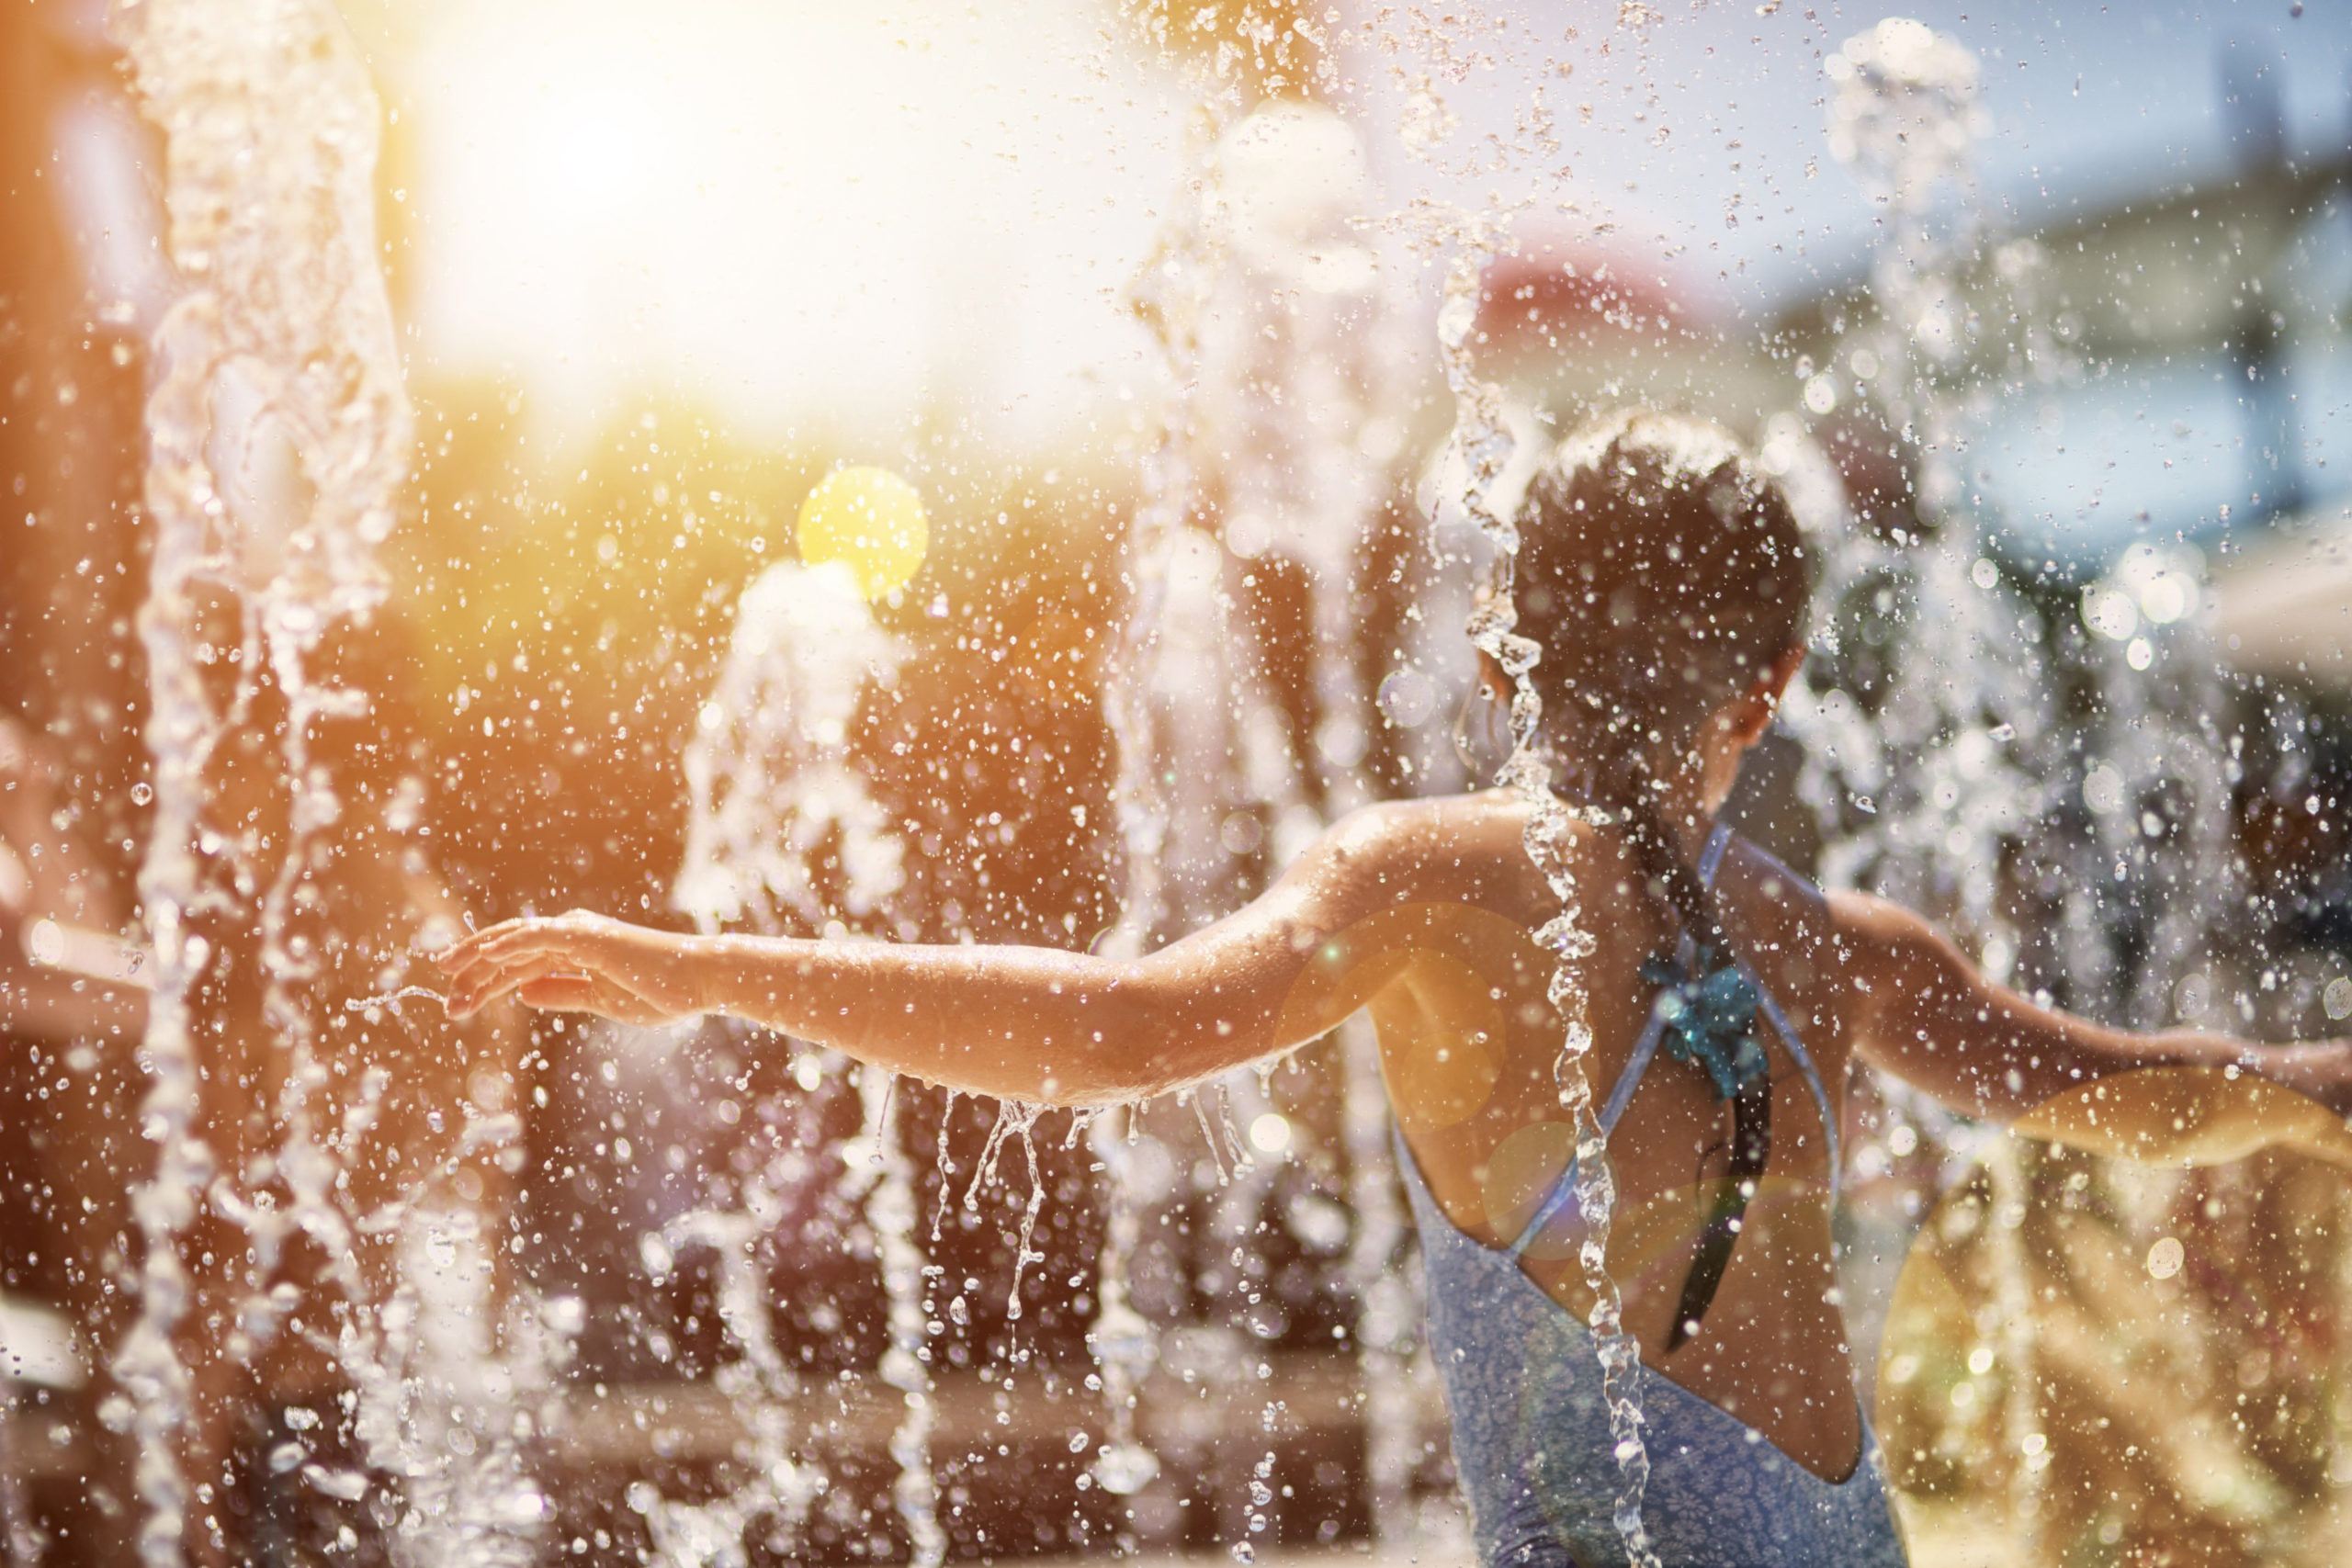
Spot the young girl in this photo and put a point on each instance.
(1666, 582)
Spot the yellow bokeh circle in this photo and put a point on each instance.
(872, 522)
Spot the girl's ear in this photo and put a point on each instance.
(1751, 714)
(1775, 681)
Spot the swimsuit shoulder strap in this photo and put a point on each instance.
(1710, 861)
(1711, 858)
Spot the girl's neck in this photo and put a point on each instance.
(1682, 808)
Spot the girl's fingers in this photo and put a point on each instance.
(476, 992)
(524, 944)
(463, 949)
(508, 936)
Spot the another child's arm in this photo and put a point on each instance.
(1920, 1010)
(1024, 1022)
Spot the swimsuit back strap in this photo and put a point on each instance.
(1620, 1094)
(1787, 1030)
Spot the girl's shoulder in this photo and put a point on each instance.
(1469, 848)
(1479, 827)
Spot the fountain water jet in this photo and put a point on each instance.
(269, 122)
(771, 788)
(1273, 322)
(1968, 749)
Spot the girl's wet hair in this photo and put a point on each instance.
(1663, 573)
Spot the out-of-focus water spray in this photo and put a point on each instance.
(269, 122)
(444, 1410)
(777, 1486)
(1993, 753)
(768, 778)
(772, 788)
(890, 1211)
(1937, 768)
(1970, 765)
(1270, 316)
(1165, 559)
(1121, 1340)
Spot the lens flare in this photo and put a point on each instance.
(871, 521)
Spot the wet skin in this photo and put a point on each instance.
(1419, 910)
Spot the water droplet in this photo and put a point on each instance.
(1124, 1469)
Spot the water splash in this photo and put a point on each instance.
(1274, 326)
(269, 122)
(1953, 770)
(761, 1387)
(445, 1412)
(1950, 766)
(1122, 1341)
(1170, 295)
(391, 1000)
(767, 771)
(1940, 768)
(890, 1213)
(772, 788)
(1388, 1320)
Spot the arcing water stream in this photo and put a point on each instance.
(1480, 448)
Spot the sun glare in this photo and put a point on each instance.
(802, 216)
(872, 522)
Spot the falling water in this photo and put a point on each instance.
(1273, 320)
(890, 1211)
(441, 1410)
(1389, 1316)
(1121, 1341)
(1169, 296)
(1937, 769)
(777, 1486)
(768, 778)
(270, 126)
(1478, 450)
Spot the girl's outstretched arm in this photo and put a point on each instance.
(1920, 1010)
(1023, 1022)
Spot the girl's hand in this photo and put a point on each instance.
(578, 961)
